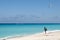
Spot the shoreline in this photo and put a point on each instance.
(38, 36)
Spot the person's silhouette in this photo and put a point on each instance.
(45, 29)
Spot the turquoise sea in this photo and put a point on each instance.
(25, 29)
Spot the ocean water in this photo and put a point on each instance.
(25, 29)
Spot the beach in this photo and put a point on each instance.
(51, 35)
(29, 32)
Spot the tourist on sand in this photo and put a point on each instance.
(45, 29)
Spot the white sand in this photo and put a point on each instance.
(40, 36)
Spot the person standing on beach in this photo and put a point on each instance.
(45, 29)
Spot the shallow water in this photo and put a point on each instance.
(11, 30)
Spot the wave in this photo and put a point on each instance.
(23, 35)
(14, 36)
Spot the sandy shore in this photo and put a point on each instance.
(54, 35)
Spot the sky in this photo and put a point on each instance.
(29, 11)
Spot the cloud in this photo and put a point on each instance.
(29, 18)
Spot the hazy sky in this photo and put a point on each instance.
(35, 11)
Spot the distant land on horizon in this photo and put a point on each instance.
(27, 23)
